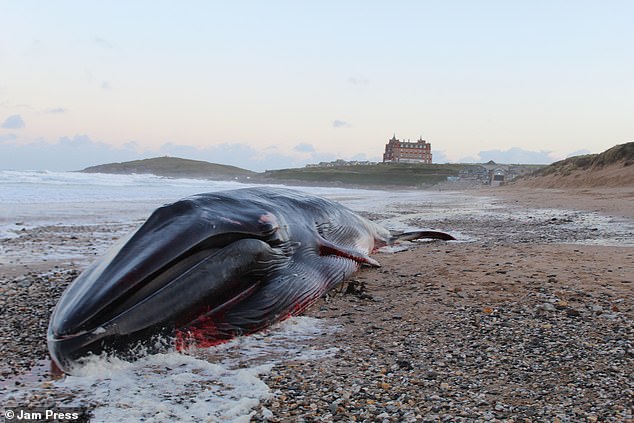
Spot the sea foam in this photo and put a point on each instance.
(218, 384)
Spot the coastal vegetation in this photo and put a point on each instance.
(613, 167)
(392, 174)
(622, 154)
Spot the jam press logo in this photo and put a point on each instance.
(62, 414)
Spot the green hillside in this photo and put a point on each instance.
(393, 174)
(173, 167)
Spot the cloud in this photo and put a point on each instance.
(579, 153)
(91, 78)
(304, 148)
(102, 42)
(466, 159)
(13, 122)
(358, 80)
(68, 153)
(364, 157)
(232, 154)
(80, 151)
(340, 124)
(514, 155)
(132, 145)
(8, 137)
(439, 156)
(37, 46)
(243, 155)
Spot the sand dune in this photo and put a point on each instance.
(612, 168)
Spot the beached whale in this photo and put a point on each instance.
(214, 266)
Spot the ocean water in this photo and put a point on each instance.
(224, 383)
(37, 198)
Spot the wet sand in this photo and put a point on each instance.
(609, 201)
(524, 321)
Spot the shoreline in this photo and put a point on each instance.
(520, 320)
(617, 202)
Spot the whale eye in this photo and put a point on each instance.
(273, 230)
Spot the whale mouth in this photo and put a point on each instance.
(204, 280)
(183, 262)
(156, 283)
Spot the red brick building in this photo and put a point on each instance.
(407, 152)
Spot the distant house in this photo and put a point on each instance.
(397, 151)
(341, 163)
(497, 176)
(474, 173)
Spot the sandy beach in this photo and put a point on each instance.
(526, 318)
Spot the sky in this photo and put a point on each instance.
(278, 84)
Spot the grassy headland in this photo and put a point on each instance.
(174, 167)
(392, 174)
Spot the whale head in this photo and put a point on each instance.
(190, 258)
